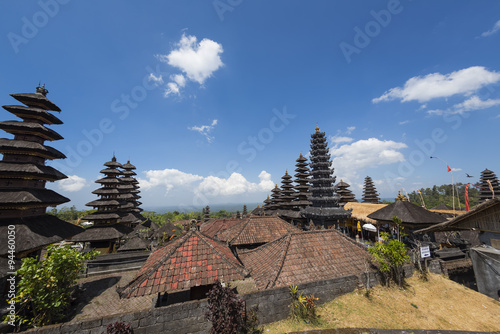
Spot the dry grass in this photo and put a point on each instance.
(436, 304)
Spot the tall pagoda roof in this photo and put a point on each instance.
(189, 261)
(29, 170)
(29, 198)
(17, 127)
(102, 233)
(36, 100)
(113, 163)
(33, 113)
(15, 146)
(128, 165)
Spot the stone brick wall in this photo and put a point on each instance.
(189, 317)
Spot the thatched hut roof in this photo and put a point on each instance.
(360, 211)
(102, 233)
(168, 229)
(409, 213)
(134, 244)
(33, 233)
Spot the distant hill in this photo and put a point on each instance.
(230, 207)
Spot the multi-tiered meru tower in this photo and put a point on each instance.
(325, 210)
(24, 174)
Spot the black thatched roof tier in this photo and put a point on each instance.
(29, 170)
(102, 233)
(35, 232)
(107, 191)
(36, 100)
(102, 216)
(14, 146)
(28, 198)
(128, 165)
(111, 171)
(33, 113)
(105, 202)
(17, 127)
(330, 213)
(134, 244)
(410, 214)
(113, 163)
(108, 180)
(128, 173)
(133, 218)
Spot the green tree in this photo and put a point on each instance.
(390, 255)
(44, 288)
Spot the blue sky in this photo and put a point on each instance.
(213, 100)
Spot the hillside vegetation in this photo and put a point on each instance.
(436, 304)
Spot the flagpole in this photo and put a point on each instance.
(452, 183)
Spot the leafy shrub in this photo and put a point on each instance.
(118, 328)
(44, 288)
(390, 255)
(303, 308)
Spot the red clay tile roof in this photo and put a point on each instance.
(257, 230)
(212, 228)
(188, 261)
(303, 257)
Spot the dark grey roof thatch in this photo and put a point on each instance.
(29, 147)
(134, 244)
(31, 128)
(408, 212)
(40, 172)
(30, 112)
(101, 233)
(33, 233)
(18, 198)
(36, 100)
(168, 229)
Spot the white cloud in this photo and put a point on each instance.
(350, 129)
(404, 122)
(157, 80)
(205, 130)
(493, 30)
(471, 104)
(198, 62)
(168, 178)
(72, 183)
(339, 139)
(234, 185)
(437, 85)
(350, 158)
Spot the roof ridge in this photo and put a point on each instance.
(241, 230)
(283, 258)
(244, 272)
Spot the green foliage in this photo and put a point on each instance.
(303, 308)
(390, 255)
(444, 194)
(69, 214)
(44, 288)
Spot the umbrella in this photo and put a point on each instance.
(369, 227)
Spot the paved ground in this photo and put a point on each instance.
(100, 298)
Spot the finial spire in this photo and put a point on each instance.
(317, 128)
(41, 90)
